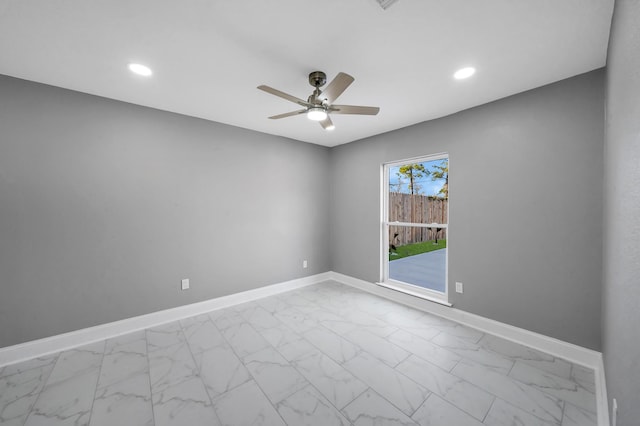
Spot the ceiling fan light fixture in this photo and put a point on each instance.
(316, 113)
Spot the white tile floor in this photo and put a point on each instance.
(323, 355)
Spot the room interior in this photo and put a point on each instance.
(115, 187)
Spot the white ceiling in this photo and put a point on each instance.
(208, 56)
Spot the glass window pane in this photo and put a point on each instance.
(419, 192)
(417, 256)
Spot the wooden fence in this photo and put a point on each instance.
(416, 209)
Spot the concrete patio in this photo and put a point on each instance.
(427, 270)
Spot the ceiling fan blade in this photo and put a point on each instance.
(288, 114)
(327, 124)
(336, 87)
(283, 95)
(353, 109)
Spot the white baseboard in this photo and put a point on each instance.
(601, 394)
(60, 342)
(558, 348)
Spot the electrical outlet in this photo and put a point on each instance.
(304, 263)
(459, 288)
(614, 412)
(185, 284)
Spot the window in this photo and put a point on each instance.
(415, 226)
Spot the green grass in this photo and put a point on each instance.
(417, 248)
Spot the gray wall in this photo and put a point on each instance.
(105, 206)
(525, 206)
(621, 287)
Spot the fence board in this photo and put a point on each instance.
(416, 209)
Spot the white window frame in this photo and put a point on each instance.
(385, 281)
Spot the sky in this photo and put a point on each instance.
(425, 185)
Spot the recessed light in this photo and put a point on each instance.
(463, 73)
(140, 69)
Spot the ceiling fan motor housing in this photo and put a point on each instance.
(317, 79)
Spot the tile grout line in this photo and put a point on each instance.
(564, 407)
(253, 377)
(46, 381)
(431, 393)
(495, 398)
(351, 402)
(95, 391)
(146, 344)
(198, 369)
(268, 400)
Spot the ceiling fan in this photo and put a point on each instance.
(320, 103)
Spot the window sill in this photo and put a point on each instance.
(420, 295)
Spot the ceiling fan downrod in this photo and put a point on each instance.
(317, 79)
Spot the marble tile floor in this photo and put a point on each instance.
(324, 355)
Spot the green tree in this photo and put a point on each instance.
(441, 171)
(413, 172)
